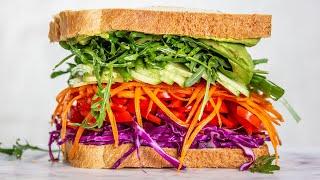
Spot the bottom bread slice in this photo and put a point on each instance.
(104, 156)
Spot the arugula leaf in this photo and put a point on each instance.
(63, 60)
(264, 164)
(18, 149)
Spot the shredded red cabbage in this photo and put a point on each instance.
(167, 135)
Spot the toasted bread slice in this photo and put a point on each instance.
(68, 24)
(91, 156)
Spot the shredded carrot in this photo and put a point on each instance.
(124, 86)
(270, 109)
(62, 94)
(153, 118)
(137, 94)
(195, 105)
(128, 94)
(75, 145)
(194, 94)
(195, 132)
(155, 99)
(125, 94)
(177, 97)
(267, 124)
(151, 102)
(65, 118)
(218, 114)
(113, 127)
(64, 115)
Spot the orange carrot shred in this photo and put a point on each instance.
(75, 145)
(194, 94)
(195, 132)
(267, 124)
(155, 99)
(151, 102)
(65, 118)
(177, 97)
(113, 127)
(195, 105)
(218, 114)
(137, 94)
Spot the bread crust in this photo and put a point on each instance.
(68, 24)
(91, 156)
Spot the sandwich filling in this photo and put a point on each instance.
(164, 91)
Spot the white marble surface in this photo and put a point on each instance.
(35, 165)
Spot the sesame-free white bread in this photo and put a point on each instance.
(92, 156)
(68, 24)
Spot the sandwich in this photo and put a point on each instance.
(158, 88)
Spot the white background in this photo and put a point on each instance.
(26, 59)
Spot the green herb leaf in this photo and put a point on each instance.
(264, 164)
(18, 149)
(63, 60)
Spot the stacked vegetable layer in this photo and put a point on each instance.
(129, 78)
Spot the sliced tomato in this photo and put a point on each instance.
(144, 104)
(180, 115)
(164, 95)
(208, 107)
(223, 108)
(151, 117)
(74, 115)
(118, 107)
(214, 121)
(250, 117)
(229, 122)
(247, 126)
(121, 101)
(175, 103)
(184, 109)
(204, 115)
(84, 106)
(123, 116)
(130, 106)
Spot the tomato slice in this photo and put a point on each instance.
(175, 103)
(74, 115)
(164, 95)
(118, 107)
(180, 115)
(250, 117)
(229, 122)
(246, 125)
(123, 116)
(121, 101)
(150, 117)
(84, 106)
(214, 121)
(223, 108)
(130, 106)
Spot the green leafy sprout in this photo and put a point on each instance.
(264, 164)
(18, 149)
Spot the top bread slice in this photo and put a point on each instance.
(68, 24)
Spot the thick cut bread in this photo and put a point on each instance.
(90, 156)
(68, 24)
